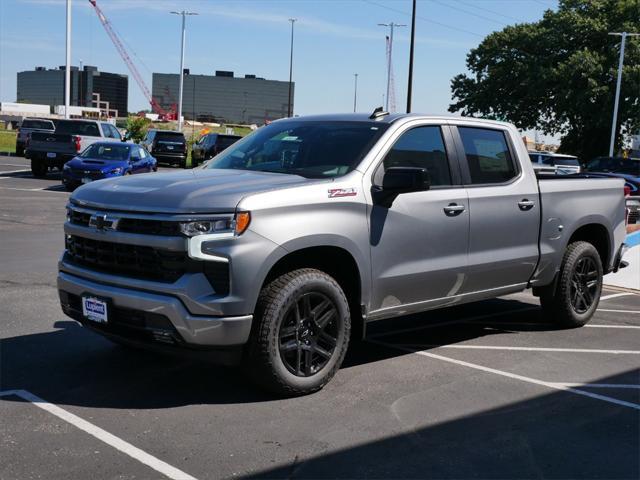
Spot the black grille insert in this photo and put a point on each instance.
(149, 227)
(129, 260)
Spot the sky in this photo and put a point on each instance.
(334, 39)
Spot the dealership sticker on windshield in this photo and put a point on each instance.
(94, 309)
(342, 192)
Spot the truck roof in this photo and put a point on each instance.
(385, 118)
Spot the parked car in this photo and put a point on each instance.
(564, 164)
(27, 127)
(53, 150)
(107, 160)
(632, 193)
(627, 166)
(294, 239)
(209, 145)
(168, 146)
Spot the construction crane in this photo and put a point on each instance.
(155, 106)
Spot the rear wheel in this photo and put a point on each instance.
(576, 295)
(19, 151)
(39, 168)
(301, 333)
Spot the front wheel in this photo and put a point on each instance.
(301, 332)
(576, 295)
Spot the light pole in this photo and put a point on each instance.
(289, 107)
(413, 40)
(183, 13)
(355, 92)
(624, 36)
(391, 26)
(67, 70)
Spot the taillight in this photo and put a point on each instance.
(627, 190)
(27, 140)
(77, 140)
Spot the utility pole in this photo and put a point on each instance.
(289, 106)
(355, 92)
(391, 26)
(183, 13)
(624, 36)
(67, 70)
(413, 40)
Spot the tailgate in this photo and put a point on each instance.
(52, 142)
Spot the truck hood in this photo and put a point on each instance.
(184, 191)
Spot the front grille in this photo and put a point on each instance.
(129, 260)
(149, 227)
(142, 226)
(142, 262)
(92, 174)
(79, 218)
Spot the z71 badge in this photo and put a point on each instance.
(342, 192)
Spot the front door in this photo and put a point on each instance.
(419, 244)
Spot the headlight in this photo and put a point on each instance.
(116, 170)
(233, 225)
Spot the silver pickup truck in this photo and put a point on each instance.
(278, 250)
(53, 150)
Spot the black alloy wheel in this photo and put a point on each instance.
(584, 285)
(308, 334)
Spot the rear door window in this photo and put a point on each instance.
(488, 155)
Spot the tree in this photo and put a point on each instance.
(558, 75)
(137, 127)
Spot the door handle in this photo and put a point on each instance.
(525, 204)
(453, 209)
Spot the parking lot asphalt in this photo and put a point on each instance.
(489, 390)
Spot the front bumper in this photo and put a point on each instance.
(159, 320)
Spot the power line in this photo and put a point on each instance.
(508, 17)
(469, 13)
(450, 27)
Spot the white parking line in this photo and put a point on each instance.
(600, 385)
(108, 438)
(616, 295)
(524, 349)
(629, 327)
(617, 311)
(12, 165)
(514, 376)
(44, 189)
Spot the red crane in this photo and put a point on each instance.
(155, 106)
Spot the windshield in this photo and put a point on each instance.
(615, 165)
(308, 149)
(115, 152)
(40, 124)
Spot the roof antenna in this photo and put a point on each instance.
(377, 113)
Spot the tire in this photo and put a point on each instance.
(576, 295)
(39, 168)
(292, 356)
(19, 151)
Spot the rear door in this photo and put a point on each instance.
(504, 209)
(419, 244)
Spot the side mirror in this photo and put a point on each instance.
(399, 180)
